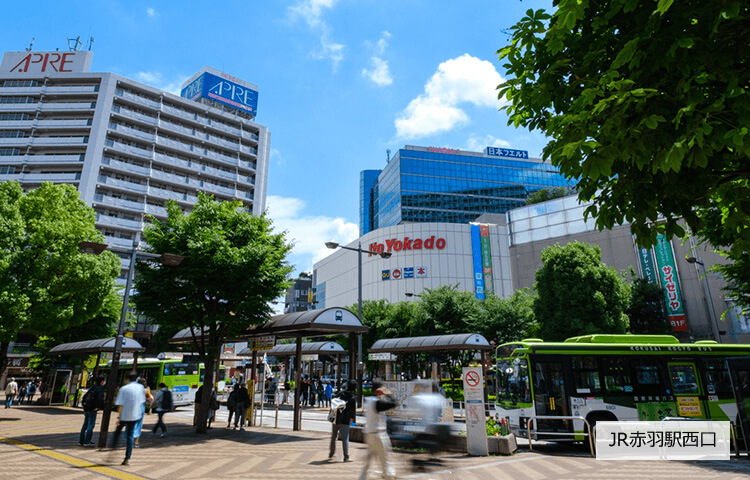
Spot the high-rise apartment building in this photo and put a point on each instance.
(298, 297)
(432, 185)
(128, 147)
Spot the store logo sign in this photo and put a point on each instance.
(396, 245)
(385, 275)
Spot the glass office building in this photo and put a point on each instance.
(428, 185)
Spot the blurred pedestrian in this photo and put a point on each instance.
(139, 424)
(243, 402)
(132, 399)
(11, 389)
(30, 392)
(328, 392)
(92, 402)
(21, 393)
(378, 443)
(163, 404)
(232, 404)
(344, 418)
(320, 393)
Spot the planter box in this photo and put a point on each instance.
(503, 445)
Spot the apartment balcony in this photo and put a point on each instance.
(176, 144)
(107, 221)
(66, 107)
(51, 159)
(71, 89)
(167, 194)
(215, 172)
(222, 142)
(178, 112)
(132, 149)
(140, 117)
(20, 107)
(133, 132)
(224, 128)
(16, 123)
(210, 187)
(249, 135)
(181, 129)
(55, 141)
(107, 200)
(58, 123)
(250, 150)
(247, 165)
(36, 177)
(220, 157)
(169, 177)
(124, 184)
(159, 212)
(172, 161)
(21, 90)
(118, 242)
(126, 167)
(131, 97)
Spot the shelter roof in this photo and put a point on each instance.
(96, 346)
(436, 343)
(289, 349)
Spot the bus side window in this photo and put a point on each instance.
(648, 377)
(586, 375)
(717, 378)
(617, 375)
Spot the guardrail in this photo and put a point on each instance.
(731, 430)
(588, 432)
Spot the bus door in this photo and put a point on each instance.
(687, 390)
(550, 394)
(739, 368)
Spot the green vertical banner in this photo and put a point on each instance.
(648, 270)
(670, 283)
(484, 239)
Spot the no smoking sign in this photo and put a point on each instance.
(472, 379)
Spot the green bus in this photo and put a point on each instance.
(611, 378)
(182, 376)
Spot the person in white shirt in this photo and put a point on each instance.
(11, 389)
(131, 399)
(378, 443)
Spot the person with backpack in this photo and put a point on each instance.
(92, 402)
(30, 393)
(232, 404)
(163, 403)
(344, 418)
(243, 402)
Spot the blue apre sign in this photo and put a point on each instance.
(506, 152)
(476, 256)
(221, 90)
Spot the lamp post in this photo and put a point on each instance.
(168, 259)
(707, 294)
(360, 365)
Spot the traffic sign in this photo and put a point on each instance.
(472, 378)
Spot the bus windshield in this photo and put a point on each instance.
(513, 378)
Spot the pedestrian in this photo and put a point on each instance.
(243, 402)
(30, 392)
(11, 389)
(328, 392)
(163, 403)
(321, 393)
(232, 404)
(139, 423)
(303, 392)
(311, 395)
(22, 393)
(378, 444)
(92, 402)
(344, 418)
(131, 398)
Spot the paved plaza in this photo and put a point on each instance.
(41, 443)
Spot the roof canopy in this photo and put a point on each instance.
(289, 349)
(96, 346)
(312, 323)
(436, 343)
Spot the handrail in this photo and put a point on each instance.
(588, 432)
(731, 430)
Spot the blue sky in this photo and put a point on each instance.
(340, 81)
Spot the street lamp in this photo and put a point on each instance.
(360, 365)
(707, 294)
(168, 259)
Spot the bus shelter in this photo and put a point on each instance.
(297, 325)
(383, 350)
(62, 377)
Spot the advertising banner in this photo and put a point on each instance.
(220, 87)
(476, 253)
(647, 265)
(476, 422)
(484, 238)
(670, 283)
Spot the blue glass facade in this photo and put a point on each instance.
(441, 185)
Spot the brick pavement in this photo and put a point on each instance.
(40, 443)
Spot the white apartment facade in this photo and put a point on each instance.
(126, 146)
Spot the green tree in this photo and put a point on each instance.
(233, 267)
(47, 284)
(646, 105)
(544, 194)
(507, 319)
(443, 311)
(578, 294)
(646, 308)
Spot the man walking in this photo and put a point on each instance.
(243, 401)
(131, 399)
(376, 437)
(344, 418)
(11, 389)
(92, 402)
(163, 402)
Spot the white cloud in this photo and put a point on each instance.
(151, 12)
(457, 81)
(477, 144)
(311, 11)
(156, 79)
(379, 72)
(309, 233)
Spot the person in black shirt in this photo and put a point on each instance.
(344, 419)
(92, 402)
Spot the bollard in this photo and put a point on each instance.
(276, 422)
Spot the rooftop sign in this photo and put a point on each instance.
(46, 62)
(220, 87)
(506, 152)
